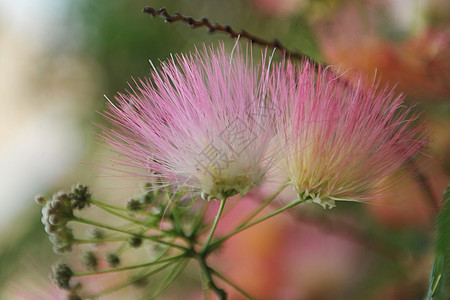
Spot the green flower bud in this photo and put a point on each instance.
(134, 205)
(135, 242)
(40, 200)
(113, 260)
(96, 233)
(80, 196)
(61, 274)
(89, 259)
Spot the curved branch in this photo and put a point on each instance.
(216, 27)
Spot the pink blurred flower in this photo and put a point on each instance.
(418, 63)
(202, 123)
(341, 136)
(278, 7)
(287, 258)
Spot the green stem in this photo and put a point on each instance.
(206, 270)
(132, 220)
(239, 229)
(129, 267)
(125, 284)
(213, 228)
(236, 287)
(82, 241)
(198, 220)
(123, 248)
(267, 202)
(152, 238)
(99, 203)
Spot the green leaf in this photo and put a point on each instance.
(440, 274)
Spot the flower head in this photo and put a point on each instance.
(202, 122)
(341, 136)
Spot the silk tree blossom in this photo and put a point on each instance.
(202, 122)
(341, 136)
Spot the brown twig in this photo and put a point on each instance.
(215, 27)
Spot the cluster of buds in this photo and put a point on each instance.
(146, 210)
(55, 216)
(59, 211)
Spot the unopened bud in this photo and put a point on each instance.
(80, 196)
(61, 196)
(73, 296)
(61, 274)
(96, 234)
(113, 260)
(204, 196)
(54, 220)
(50, 229)
(89, 259)
(134, 205)
(135, 242)
(57, 203)
(39, 199)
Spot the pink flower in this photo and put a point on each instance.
(279, 7)
(342, 136)
(202, 122)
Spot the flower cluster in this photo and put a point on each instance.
(216, 124)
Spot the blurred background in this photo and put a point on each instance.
(58, 59)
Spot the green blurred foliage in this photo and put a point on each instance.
(440, 275)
